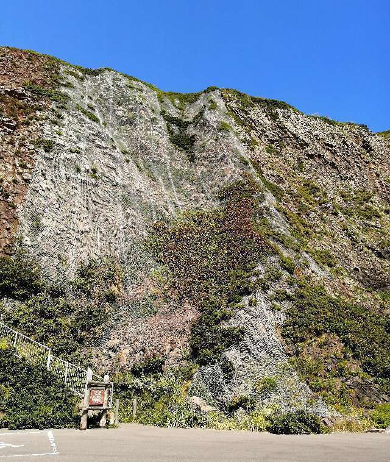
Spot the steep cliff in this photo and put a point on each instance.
(239, 234)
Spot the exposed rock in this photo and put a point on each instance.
(201, 404)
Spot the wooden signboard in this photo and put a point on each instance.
(96, 397)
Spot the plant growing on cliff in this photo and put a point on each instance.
(20, 278)
(66, 320)
(89, 114)
(51, 93)
(47, 145)
(177, 129)
(295, 423)
(209, 256)
(360, 336)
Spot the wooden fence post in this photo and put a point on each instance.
(116, 417)
(103, 419)
(134, 408)
(84, 414)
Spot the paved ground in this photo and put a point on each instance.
(136, 443)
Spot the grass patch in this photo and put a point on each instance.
(89, 114)
(385, 134)
(51, 93)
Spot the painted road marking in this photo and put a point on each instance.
(5, 445)
(52, 442)
(11, 446)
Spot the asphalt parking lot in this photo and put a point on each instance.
(146, 444)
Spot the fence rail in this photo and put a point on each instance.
(73, 376)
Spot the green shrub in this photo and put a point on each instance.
(212, 105)
(294, 423)
(161, 396)
(151, 366)
(50, 93)
(273, 188)
(287, 264)
(311, 192)
(385, 134)
(381, 415)
(50, 314)
(177, 129)
(89, 114)
(224, 127)
(47, 145)
(270, 149)
(19, 278)
(266, 386)
(363, 333)
(32, 397)
(324, 257)
(241, 402)
(181, 98)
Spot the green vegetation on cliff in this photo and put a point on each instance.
(209, 257)
(67, 318)
(31, 397)
(341, 349)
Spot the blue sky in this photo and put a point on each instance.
(327, 57)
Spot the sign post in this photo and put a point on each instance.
(96, 398)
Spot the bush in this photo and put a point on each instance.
(295, 423)
(32, 397)
(314, 312)
(151, 366)
(65, 323)
(177, 129)
(224, 127)
(50, 93)
(161, 397)
(381, 415)
(19, 278)
(324, 257)
(241, 402)
(47, 145)
(287, 264)
(89, 114)
(266, 386)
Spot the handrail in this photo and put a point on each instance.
(73, 376)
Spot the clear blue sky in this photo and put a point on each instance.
(329, 57)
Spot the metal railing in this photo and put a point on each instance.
(74, 377)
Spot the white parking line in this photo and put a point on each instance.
(52, 442)
(8, 445)
(50, 436)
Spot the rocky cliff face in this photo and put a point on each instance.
(98, 165)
